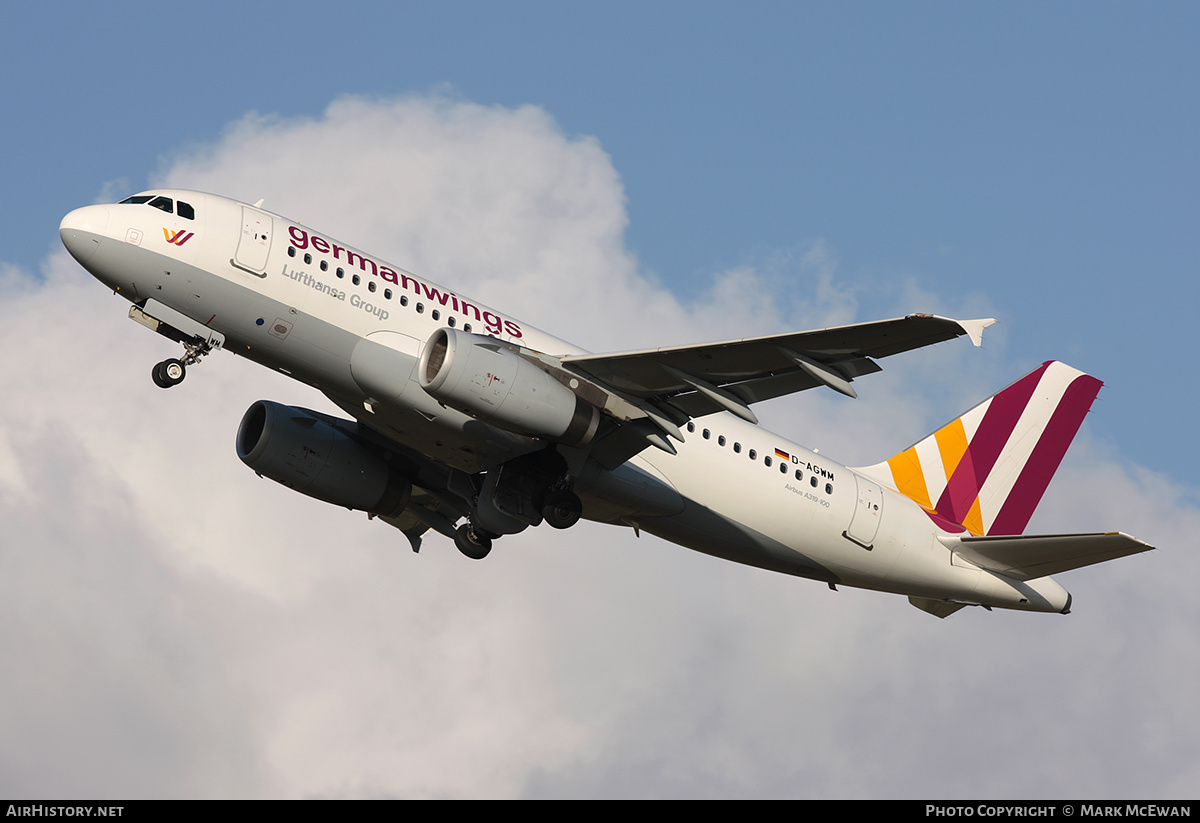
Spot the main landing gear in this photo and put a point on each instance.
(171, 372)
(561, 508)
(472, 542)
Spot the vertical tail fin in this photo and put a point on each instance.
(987, 470)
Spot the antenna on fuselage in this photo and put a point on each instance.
(258, 205)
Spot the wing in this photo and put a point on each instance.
(699, 380)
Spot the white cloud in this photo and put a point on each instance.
(174, 626)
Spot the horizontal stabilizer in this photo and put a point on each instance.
(1027, 557)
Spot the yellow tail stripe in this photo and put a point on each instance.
(973, 522)
(909, 478)
(952, 444)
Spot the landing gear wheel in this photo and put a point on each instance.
(471, 543)
(169, 373)
(174, 371)
(562, 509)
(157, 375)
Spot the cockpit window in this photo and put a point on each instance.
(184, 210)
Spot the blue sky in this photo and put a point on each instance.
(1041, 156)
(743, 170)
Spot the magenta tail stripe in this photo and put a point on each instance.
(1001, 455)
(986, 445)
(1046, 456)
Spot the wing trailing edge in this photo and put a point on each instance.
(649, 393)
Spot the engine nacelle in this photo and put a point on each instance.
(306, 453)
(479, 376)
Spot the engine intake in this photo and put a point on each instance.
(310, 454)
(485, 379)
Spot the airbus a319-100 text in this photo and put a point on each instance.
(465, 421)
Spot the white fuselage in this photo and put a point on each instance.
(299, 302)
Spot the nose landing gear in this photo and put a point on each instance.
(168, 373)
(197, 339)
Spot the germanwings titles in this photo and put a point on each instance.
(466, 422)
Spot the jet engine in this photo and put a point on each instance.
(482, 377)
(312, 454)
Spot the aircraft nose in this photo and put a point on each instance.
(82, 230)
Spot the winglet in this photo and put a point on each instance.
(974, 329)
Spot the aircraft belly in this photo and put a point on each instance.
(704, 530)
(634, 489)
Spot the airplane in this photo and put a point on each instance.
(468, 422)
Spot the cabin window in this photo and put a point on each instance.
(356, 279)
(436, 315)
(706, 434)
(467, 328)
(185, 210)
(812, 481)
(691, 427)
(324, 266)
(341, 273)
(767, 460)
(404, 300)
(798, 474)
(753, 454)
(387, 294)
(292, 253)
(737, 448)
(450, 321)
(783, 468)
(307, 259)
(371, 286)
(829, 488)
(721, 440)
(420, 308)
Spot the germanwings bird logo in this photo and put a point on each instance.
(177, 237)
